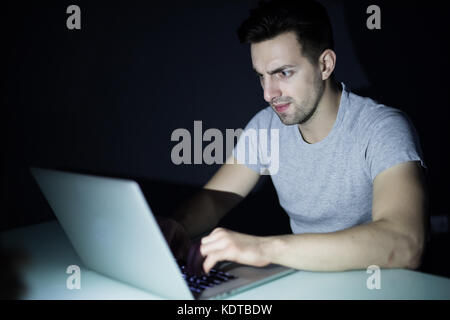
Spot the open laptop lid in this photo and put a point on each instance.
(113, 230)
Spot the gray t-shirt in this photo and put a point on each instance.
(327, 186)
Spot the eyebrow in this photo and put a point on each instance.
(276, 70)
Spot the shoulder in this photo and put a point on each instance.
(370, 118)
(385, 134)
(265, 119)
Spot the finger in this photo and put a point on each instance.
(215, 256)
(211, 261)
(217, 245)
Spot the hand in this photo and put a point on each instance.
(194, 261)
(225, 245)
(176, 237)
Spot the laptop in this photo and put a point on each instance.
(114, 231)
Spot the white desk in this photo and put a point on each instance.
(50, 254)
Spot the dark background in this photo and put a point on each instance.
(106, 98)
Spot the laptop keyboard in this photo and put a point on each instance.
(197, 284)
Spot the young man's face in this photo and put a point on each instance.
(292, 85)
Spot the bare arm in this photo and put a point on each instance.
(229, 185)
(394, 239)
(233, 177)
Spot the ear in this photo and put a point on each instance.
(327, 62)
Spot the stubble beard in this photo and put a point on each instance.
(304, 111)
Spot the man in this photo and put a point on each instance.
(350, 170)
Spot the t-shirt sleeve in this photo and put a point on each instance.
(392, 140)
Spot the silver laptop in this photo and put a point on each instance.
(113, 230)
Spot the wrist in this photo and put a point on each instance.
(271, 249)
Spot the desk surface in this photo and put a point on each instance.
(50, 253)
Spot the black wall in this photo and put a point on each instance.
(106, 98)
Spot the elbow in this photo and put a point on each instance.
(406, 253)
(414, 249)
(415, 256)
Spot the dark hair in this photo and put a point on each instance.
(307, 18)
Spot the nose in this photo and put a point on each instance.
(271, 90)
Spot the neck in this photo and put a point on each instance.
(320, 125)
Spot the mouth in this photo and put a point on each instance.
(281, 107)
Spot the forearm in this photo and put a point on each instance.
(203, 211)
(354, 248)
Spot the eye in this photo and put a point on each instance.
(285, 73)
